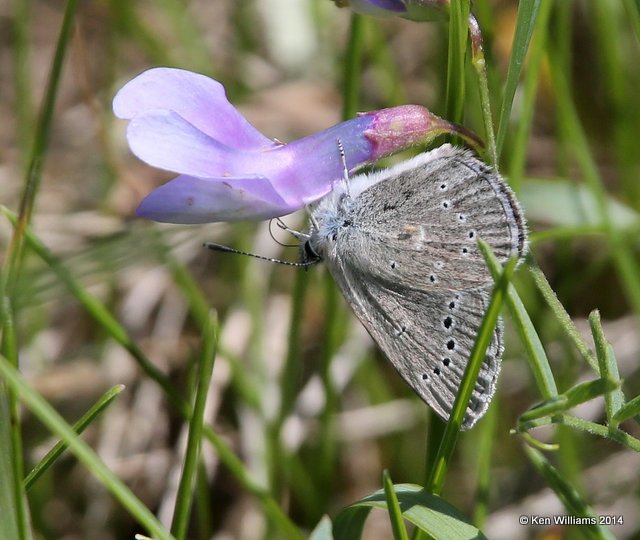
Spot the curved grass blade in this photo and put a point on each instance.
(53, 454)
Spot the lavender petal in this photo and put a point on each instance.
(188, 199)
(201, 101)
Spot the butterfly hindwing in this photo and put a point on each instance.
(427, 337)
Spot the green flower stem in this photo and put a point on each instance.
(480, 65)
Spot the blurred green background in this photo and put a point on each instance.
(299, 393)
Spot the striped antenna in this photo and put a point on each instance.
(226, 249)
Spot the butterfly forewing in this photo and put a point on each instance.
(421, 227)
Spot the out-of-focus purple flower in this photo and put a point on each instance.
(228, 171)
(418, 10)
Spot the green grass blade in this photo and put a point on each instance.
(97, 310)
(192, 455)
(458, 31)
(525, 24)
(56, 424)
(13, 260)
(393, 507)
(53, 454)
(15, 454)
(21, 49)
(531, 79)
(483, 339)
(8, 508)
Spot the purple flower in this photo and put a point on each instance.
(228, 171)
(421, 10)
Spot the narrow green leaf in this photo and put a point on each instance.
(571, 499)
(525, 23)
(427, 512)
(192, 455)
(53, 454)
(585, 426)
(54, 422)
(574, 396)
(8, 510)
(608, 368)
(393, 506)
(629, 409)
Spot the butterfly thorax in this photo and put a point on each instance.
(330, 219)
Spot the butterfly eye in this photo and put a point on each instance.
(309, 252)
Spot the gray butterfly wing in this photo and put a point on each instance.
(420, 227)
(404, 253)
(427, 336)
